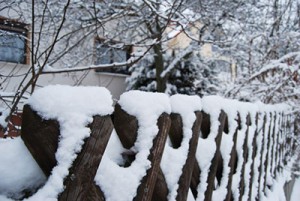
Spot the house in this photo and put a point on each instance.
(16, 58)
(25, 46)
(28, 44)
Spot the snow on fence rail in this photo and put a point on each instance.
(153, 147)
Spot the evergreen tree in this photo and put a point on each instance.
(191, 75)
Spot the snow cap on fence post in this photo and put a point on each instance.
(73, 108)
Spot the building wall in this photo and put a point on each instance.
(115, 83)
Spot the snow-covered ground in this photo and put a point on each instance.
(19, 172)
(296, 190)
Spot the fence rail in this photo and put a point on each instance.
(233, 150)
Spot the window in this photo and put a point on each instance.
(108, 53)
(13, 41)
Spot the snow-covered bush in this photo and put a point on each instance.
(189, 74)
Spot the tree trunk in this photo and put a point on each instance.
(159, 67)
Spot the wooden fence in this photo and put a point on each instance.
(231, 155)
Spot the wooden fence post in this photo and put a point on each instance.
(260, 167)
(195, 179)
(205, 130)
(254, 154)
(79, 184)
(176, 136)
(232, 164)
(127, 132)
(267, 159)
(274, 137)
(41, 138)
(245, 158)
(215, 161)
(280, 139)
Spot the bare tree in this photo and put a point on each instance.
(62, 35)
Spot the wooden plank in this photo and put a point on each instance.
(273, 155)
(126, 127)
(232, 164)
(215, 160)
(254, 154)
(146, 189)
(176, 130)
(187, 170)
(242, 184)
(260, 168)
(279, 142)
(195, 179)
(80, 182)
(205, 130)
(41, 138)
(267, 159)
(161, 191)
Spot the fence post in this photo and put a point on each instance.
(80, 185)
(268, 148)
(232, 164)
(254, 154)
(245, 158)
(176, 135)
(127, 132)
(145, 190)
(274, 138)
(215, 161)
(41, 138)
(260, 167)
(279, 143)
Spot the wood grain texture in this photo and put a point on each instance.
(187, 170)
(41, 138)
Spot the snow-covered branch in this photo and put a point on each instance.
(177, 59)
(132, 60)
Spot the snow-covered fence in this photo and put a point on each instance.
(162, 148)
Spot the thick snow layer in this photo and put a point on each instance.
(276, 192)
(120, 183)
(63, 102)
(4, 198)
(18, 170)
(74, 108)
(296, 192)
(205, 152)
